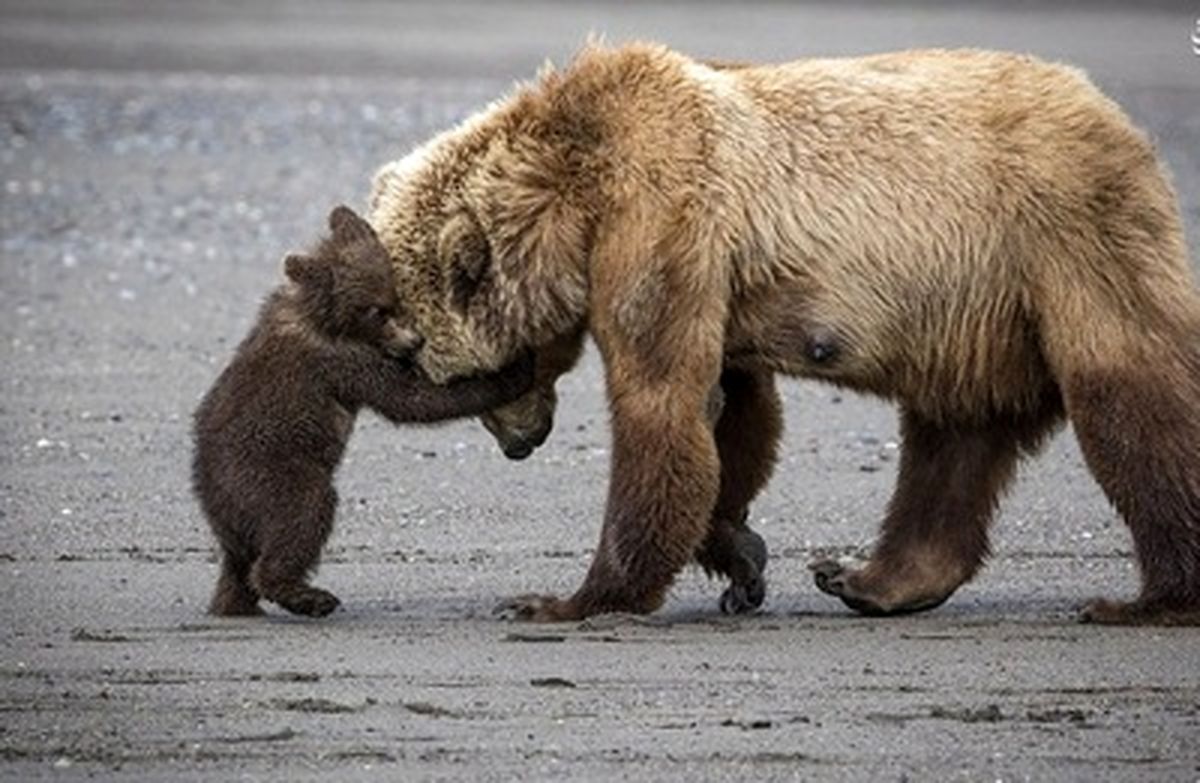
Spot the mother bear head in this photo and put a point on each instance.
(489, 226)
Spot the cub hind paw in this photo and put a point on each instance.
(309, 601)
(235, 608)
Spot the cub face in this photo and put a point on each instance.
(349, 288)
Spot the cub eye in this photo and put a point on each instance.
(377, 314)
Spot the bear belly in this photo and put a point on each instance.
(796, 343)
(958, 368)
(802, 349)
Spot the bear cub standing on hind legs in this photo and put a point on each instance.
(270, 433)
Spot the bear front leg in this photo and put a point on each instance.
(658, 297)
(935, 533)
(747, 437)
(661, 494)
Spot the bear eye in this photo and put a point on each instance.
(376, 313)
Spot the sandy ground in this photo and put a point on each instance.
(157, 162)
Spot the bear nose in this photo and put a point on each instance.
(519, 450)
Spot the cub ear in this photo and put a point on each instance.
(348, 226)
(306, 270)
(464, 251)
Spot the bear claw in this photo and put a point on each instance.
(744, 598)
(747, 589)
(529, 608)
(829, 576)
(834, 578)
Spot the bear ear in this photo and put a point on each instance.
(464, 250)
(306, 270)
(348, 226)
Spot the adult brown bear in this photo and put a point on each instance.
(982, 237)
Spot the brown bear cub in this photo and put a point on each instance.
(270, 433)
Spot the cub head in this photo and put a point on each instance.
(347, 288)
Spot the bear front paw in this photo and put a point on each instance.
(744, 598)
(838, 579)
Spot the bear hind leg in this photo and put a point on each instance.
(935, 534)
(234, 597)
(291, 547)
(1140, 435)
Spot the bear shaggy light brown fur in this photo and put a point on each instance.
(271, 431)
(982, 237)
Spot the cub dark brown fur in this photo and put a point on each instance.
(270, 433)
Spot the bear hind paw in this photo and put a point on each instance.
(534, 608)
(1139, 612)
